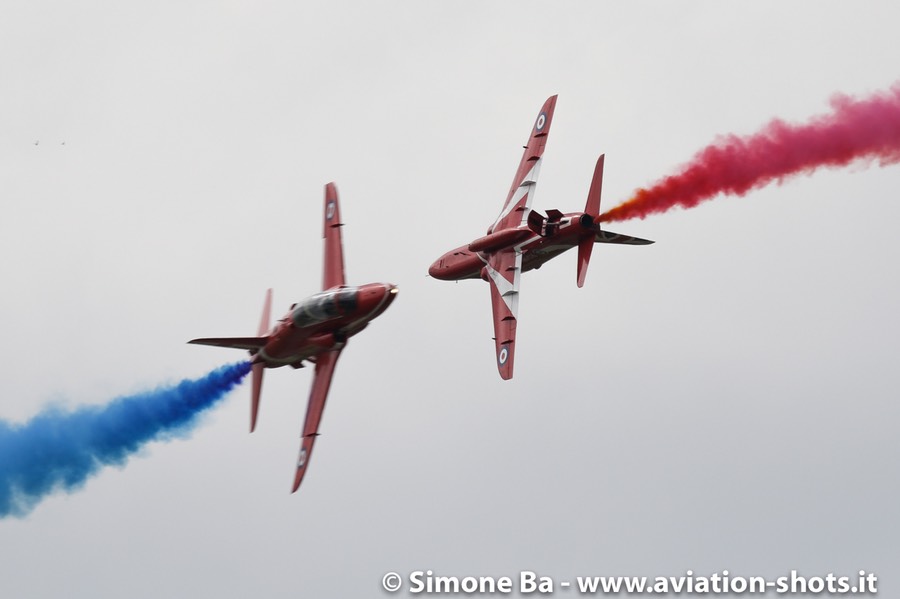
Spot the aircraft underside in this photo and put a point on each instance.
(536, 258)
(522, 239)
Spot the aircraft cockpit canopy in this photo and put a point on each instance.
(325, 306)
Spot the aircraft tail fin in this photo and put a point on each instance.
(251, 344)
(585, 247)
(592, 209)
(592, 206)
(259, 368)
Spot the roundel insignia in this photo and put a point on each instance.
(503, 356)
(541, 121)
(302, 459)
(329, 210)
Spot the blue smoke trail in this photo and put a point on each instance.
(59, 449)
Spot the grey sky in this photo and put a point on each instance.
(725, 398)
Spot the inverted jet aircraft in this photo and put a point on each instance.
(315, 330)
(522, 239)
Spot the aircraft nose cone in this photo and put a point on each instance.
(391, 292)
(435, 269)
(375, 298)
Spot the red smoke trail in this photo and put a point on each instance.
(867, 129)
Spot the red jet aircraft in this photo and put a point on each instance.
(521, 239)
(314, 330)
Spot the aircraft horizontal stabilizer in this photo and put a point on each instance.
(610, 237)
(248, 343)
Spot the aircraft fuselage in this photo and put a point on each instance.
(536, 248)
(323, 322)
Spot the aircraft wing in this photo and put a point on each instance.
(504, 269)
(610, 237)
(325, 363)
(334, 247)
(518, 202)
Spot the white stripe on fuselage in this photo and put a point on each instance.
(526, 188)
(508, 291)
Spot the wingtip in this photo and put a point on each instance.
(505, 362)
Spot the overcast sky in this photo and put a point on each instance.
(723, 399)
